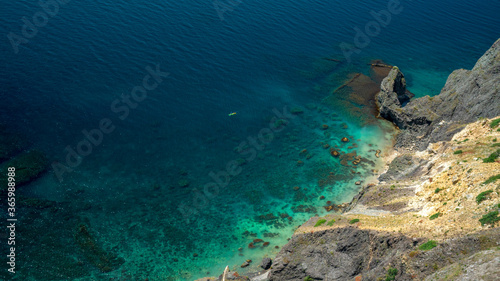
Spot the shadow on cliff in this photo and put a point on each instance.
(350, 253)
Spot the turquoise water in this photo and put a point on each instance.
(145, 191)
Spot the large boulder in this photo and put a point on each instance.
(393, 92)
(266, 263)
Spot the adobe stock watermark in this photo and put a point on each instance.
(248, 150)
(372, 29)
(29, 29)
(228, 6)
(121, 108)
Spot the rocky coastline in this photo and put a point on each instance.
(433, 213)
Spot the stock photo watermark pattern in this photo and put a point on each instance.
(248, 149)
(30, 27)
(362, 37)
(222, 7)
(121, 108)
(11, 220)
(159, 146)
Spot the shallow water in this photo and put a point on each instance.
(145, 192)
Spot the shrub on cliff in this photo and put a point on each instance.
(458, 152)
(492, 157)
(354, 221)
(428, 245)
(490, 218)
(482, 196)
(391, 274)
(435, 216)
(320, 222)
(495, 123)
(492, 179)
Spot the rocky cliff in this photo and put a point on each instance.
(466, 96)
(433, 214)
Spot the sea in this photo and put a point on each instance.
(182, 137)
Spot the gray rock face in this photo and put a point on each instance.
(466, 96)
(344, 253)
(392, 96)
(484, 265)
(339, 254)
(403, 166)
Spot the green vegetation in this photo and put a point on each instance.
(482, 196)
(495, 123)
(494, 140)
(428, 245)
(492, 179)
(354, 221)
(437, 190)
(492, 157)
(490, 218)
(495, 144)
(458, 152)
(320, 222)
(435, 216)
(330, 223)
(308, 278)
(391, 274)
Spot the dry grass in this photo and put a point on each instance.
(459, 178)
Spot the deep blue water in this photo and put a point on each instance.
(260, 56)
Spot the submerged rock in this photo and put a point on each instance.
(29, 165)
(94, 253)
